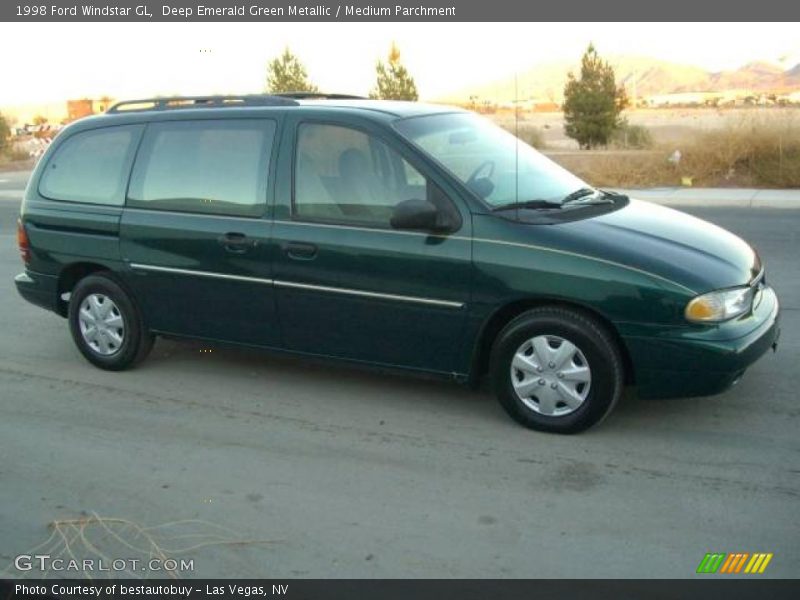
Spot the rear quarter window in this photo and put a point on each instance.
(91, 166)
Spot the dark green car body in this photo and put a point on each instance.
(425, 301)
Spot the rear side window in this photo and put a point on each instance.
(216, 167)
(91, 166)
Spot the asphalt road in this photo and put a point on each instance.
(349, 473)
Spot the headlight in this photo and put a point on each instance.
(720, 306)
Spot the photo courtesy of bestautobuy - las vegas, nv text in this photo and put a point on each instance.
(420, 299)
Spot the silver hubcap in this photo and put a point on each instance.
(551, 375)
(102, 325)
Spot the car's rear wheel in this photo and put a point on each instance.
(556, 369)
(105, 324)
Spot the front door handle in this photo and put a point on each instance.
(237, 243)
(300, 250)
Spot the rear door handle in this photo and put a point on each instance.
(300, 250)
(237, 243)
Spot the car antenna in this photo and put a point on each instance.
(516, 145)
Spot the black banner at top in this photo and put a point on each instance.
(397, 10)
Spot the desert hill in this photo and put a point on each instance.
(642, 76)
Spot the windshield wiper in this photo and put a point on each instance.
(581, 195)
(614, 195)
(528, 204)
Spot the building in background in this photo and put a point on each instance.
(77, 109)
(85, 107)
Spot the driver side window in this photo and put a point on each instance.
(346, 176)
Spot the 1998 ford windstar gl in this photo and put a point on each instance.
(396, 234)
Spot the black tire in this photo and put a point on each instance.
(590, 337)
(137, 341)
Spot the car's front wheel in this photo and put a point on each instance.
(557, 369)
(105, 324)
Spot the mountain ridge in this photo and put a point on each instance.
(642, 76)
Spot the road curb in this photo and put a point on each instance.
(718, 197)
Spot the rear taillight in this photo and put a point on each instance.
(22, 243)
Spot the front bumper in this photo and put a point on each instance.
(38, 289)
(667, 366)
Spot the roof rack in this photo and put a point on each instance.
(319, 96)
(173, 102)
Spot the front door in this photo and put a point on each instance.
(193, 231)
(346, 283)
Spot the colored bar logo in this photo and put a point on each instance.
(734, 562)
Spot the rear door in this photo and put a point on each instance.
(194, 232)
(349, 285)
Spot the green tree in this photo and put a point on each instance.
(5, 134)
(286, 73)
(593, 102)
(393, 80)
(40, 120)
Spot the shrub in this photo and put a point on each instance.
(748, 152)
(18, 154)
(620, 168)
(532, 136)
(752, 151)
(5, 134)
(629, 136)
(529, 134)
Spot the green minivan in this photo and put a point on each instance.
(394, 234)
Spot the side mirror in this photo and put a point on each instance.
(415, 214)
(483, 187)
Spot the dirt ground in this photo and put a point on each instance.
(665, 125)
(16, 165)
(738, 147)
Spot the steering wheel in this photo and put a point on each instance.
(484, 166)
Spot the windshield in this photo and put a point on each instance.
(493, 163)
